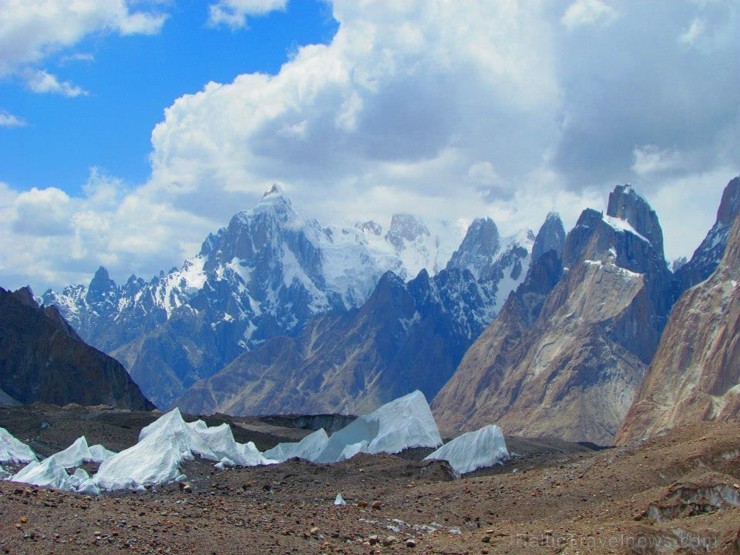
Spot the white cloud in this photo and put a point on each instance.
(9, 120)
(692, 34)
(650, 159)
(584, 13)
(32, 31)
(443, 109)
(233, 13)
(40, 81)
(42, 213)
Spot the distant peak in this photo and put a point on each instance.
(628, 205)
(276, 189)
(553, 216)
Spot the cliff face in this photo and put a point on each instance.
(707, 256)
(43, 359)
(566, 354)
(695, 373)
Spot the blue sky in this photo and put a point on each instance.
(129, 81)
(130, 129)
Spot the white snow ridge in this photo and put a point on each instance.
(13, 450)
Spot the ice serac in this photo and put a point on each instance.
(707, 256)
(402, 424)
(695, 375)
(43, 359)
(13, 450)
(309, 448)
(164, 445)
(568, 350)
(407, 336)
(473, 450)
(264, 275)
(52, 471)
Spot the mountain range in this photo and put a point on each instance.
(267, 275)
(555, 334)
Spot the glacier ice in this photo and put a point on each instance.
(165, 444)
(51, 472)
(309, 448)
(479, 449)
(155, 459)
(13, 450)
(401, 424)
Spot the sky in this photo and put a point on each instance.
(130, 129)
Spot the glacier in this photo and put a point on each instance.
(473, 450)
(404, 423)
(165, 444)
(13, 450)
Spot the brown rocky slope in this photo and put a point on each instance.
(695, 374)
(568, 351)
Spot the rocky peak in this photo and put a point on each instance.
(405, 228)
(370, 228)
(24, 295)
(626, 204)
(729, 207)
(102, 288)
(551, 236)
(707, 256)
(479, 247)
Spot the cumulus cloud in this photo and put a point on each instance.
(40, 81)
(9, 120)
(443, 109)
(42, 212)
(233, 13)
(650, 159)
(31, 31)
(588, 12)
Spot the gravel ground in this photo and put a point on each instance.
(676, 494)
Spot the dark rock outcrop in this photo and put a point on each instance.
(43, 359)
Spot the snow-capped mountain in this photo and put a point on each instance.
(407, 336)
(265, 274)
(569, 348)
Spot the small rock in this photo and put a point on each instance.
(486, 539)
(24, 519)
(410, 543)
(377, 505)
(390, 540)
(362, 504)
(373, 540)
(314, 530)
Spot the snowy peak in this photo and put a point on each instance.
(405, 229)
(102, 290)
(626, 204)
(479, 247)
(370, 228)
